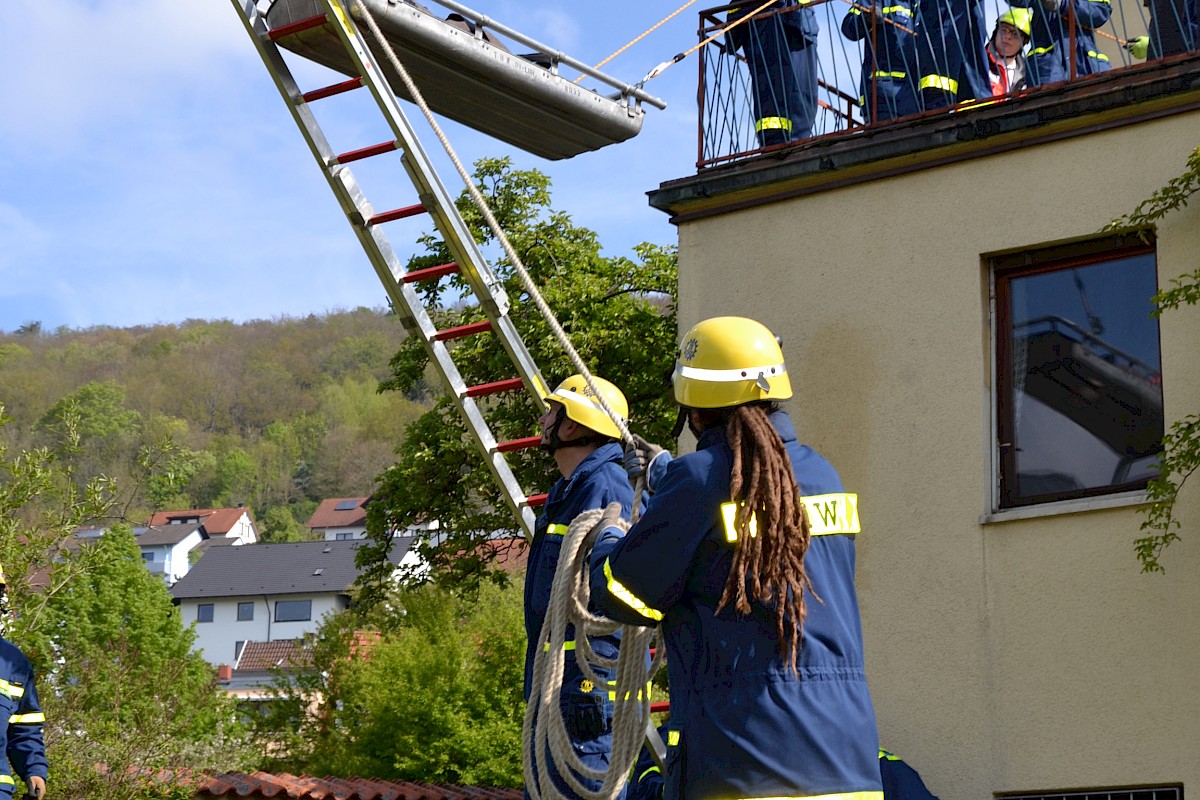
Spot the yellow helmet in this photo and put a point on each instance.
(729, 361)
(583, 407)
(1019, 18)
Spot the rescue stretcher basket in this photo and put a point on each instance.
(466, 74)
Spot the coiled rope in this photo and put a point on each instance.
(544, 731)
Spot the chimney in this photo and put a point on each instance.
(224, 672)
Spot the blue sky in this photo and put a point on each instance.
(154, 175)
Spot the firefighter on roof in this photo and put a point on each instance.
(1049, 50)
(23, 746)
(583, 441)
(768, 689)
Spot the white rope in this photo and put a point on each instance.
(482, 204)
(544, 735)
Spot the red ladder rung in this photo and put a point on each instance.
(660, 706)
(536, 500)
(518, 444)
(430, 273)
(332, 89)
(397, 213)
(495, 387)
(463, 330)
(297, 27)
(367, 152)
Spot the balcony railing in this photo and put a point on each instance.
(793, 71)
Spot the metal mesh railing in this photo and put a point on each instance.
(798, 70)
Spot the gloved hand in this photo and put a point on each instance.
(1051, 6)
(639, 455)
(583, 715)
(1139, 47)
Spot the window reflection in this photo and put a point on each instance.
(1081, 393)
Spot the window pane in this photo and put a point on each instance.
(204, 612)
(245, 611)
(293, 610)
(1080, 378)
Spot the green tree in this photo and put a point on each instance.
(1181, 444)
(122, 687)
(618, 313)
(438, 698)
(279, 525)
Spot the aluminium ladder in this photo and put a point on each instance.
(369, 226)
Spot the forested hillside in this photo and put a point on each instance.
(275, 414)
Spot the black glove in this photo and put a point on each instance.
(584, 716)
(639, 455)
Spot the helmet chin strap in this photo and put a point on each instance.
(552, 441)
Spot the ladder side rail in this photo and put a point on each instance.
(404, 298)
(437, 201)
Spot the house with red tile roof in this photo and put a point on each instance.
(338, 518)
(233, 524)
(307, 787)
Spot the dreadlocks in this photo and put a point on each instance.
(769, 566)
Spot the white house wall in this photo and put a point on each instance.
(217, 640)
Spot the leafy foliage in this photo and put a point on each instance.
(121, 691)
(617, 312)
(1181, 444)
(437, 698)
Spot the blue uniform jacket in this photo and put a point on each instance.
(599, 479)
(890, 62)
(742, 725)
(19, 706)
(1050, 40)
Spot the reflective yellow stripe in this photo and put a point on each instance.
(888, 74)
(557, 529)
(612, 693)
(673, 738)
(939, 82)
(773, 124)
(647, 772)
(1037, 51)
(566, 646)
(832, 513)
(617, 590)
(7, 780)
(1097, 56)
(27, 719)
(827, 514)
(838, 796)
(13, 690)
(886, 755)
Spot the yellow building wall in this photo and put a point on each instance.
(1004, 656)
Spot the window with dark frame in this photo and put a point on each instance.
(1079, 409)
(245, 612)
(204, 612)
(293, 610)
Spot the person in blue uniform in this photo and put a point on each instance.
(583, 441)
(768, 686)
(951, 38)
(1174, 27)
(23, 745)
(780, 50)
(900, 781)
(886, 88)
(1050, 39)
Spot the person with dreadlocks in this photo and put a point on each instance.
(744, 557)
(582, 438)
